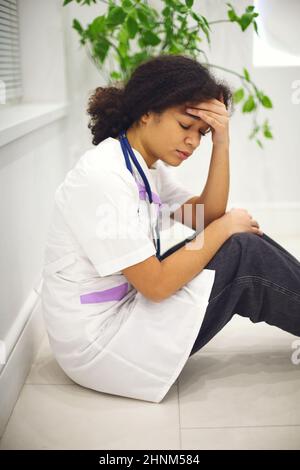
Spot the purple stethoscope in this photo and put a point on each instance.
(153, 198)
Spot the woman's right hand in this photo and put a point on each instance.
(239, 220)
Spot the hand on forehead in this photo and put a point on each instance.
(182, 110)
(210, 103)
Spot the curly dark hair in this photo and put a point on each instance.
(155, 85)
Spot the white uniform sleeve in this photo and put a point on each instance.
(102, 212)
(171, 191)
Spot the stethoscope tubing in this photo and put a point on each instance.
(128, 152)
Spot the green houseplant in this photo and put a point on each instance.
(169, 31)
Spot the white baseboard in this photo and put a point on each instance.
(18, 364)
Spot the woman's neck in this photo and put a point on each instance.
(136, 143)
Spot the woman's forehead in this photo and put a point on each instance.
(181, 109)
(181, 112)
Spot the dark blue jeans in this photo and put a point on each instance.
(255, 278)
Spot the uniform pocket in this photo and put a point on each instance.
(58, 265)
(94, 292)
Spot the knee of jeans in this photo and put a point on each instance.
(246, 237)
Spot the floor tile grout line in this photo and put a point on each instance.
(245, 351)
(243, 427)
(179, 417)
(255, 354)
(52, 384)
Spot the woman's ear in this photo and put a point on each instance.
(145, 118)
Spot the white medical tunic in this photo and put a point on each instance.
(104, 333)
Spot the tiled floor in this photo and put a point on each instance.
(242, 391)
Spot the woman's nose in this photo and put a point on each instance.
(193, 142)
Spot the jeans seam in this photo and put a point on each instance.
(266, 282)
(273, 285)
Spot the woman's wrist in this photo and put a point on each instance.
(221, 224)
(223, 144)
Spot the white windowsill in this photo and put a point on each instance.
(20, 119)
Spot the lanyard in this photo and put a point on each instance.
(128, 152)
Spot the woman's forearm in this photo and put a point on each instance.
(181, 266)
(215, 193)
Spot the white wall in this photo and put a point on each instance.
(82, 76)
(31, 167)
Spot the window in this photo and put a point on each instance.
(278, 28)
(10, 63)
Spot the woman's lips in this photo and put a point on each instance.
(182, 155)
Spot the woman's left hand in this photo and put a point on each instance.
(215, 114)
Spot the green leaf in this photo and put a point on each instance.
(238, 95)
(189, 3)
(123, 46)
(100, 48)
(249, 105)
(115, 16)
(205, 22)
(266, 102)
(96, 27)
(132, 27)
(254, 132)
(259, 143)
(255, 27)
(259, 94)
(137, 58)
(66, 2)
(245, 21)
(115, 75)
(181, 8)
(231, 13)
(246, 74)
(268, 134)
(195, 16)
(142, 17)
(166, 11)
(150, 13)
(266, 130)
(76, 25)
(150, 38)
(202, 23)
(127, 4)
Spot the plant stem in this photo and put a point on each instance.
(227, 70)
(202, 52)
(234, 73)
(219, 21)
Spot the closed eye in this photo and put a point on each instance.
(201, 132)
